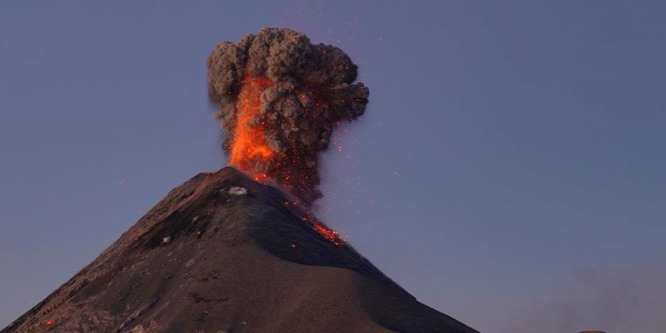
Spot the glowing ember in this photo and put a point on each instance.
(331, 235)
(248, 145)
(50, 322)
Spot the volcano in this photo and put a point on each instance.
(223, 253)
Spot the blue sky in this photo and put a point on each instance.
(509, 170)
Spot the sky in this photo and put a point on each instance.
(509, 169)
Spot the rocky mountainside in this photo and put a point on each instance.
(222, 253)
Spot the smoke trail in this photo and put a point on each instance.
(280, 98)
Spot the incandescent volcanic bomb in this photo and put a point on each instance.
(280, 98)
(223, 253)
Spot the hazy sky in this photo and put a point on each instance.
(509, 170)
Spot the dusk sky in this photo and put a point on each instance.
(509, 170)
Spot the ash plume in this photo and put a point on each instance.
(304, 91)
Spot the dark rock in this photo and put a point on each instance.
(229, 266)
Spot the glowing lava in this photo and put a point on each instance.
(248, 146)
(331, 235)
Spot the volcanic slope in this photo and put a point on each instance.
(212, 257)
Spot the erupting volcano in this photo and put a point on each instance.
(280, 98)
(224, 252)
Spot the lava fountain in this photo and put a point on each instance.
(248, 145)
(280, 98)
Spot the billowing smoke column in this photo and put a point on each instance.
(280, 98)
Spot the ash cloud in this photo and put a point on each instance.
(312, 92)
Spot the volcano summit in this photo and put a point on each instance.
(223, 253)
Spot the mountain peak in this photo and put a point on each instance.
(223, 253)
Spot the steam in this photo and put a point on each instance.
(311, 91)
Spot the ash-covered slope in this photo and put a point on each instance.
(206, 260)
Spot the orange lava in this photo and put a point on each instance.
(331, 235)
(248, 145)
